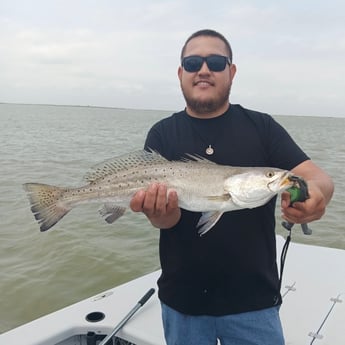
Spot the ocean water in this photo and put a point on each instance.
(82, 255)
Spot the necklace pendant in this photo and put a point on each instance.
(209, 151)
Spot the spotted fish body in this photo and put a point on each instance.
(201, 186)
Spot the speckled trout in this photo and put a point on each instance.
(201, 186)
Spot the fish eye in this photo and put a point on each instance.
(270, 174)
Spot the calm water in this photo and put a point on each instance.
(82, 255)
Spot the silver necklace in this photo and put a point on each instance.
(209, 151)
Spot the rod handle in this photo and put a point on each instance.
(146, 297)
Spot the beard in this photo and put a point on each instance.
(207, 106)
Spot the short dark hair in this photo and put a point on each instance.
(207, 32)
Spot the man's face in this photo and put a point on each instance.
(206, 92)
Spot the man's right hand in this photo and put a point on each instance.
(159, 205)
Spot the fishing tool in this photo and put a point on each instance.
(298, 192)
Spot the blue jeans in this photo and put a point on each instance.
(260, 327)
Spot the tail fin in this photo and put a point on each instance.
(46, 204)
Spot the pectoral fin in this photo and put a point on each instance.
(111, 212)
(207, 221)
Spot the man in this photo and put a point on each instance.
(223, 285)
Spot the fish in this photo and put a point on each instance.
(201, 186)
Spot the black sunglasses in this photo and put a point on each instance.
(215, 63)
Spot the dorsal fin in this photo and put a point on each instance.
(113, 165)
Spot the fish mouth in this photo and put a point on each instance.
(287, 181)
(296, 181)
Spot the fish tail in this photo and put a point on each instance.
(46, 204)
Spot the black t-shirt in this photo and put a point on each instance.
(232, 268)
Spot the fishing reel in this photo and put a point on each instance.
(298, 192)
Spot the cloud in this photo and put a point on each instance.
(289, 56)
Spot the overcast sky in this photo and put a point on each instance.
(290, 55)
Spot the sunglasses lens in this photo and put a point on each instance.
(215, 63)
(192, 63)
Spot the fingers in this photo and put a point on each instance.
(294, 214)
(285, 201)
(136, 203)
(172, 200)
(155, 201)
(304, 212)
(150, 201)
(158, 204)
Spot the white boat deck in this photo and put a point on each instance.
(313, 287)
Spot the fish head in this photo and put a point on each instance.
(253, 187)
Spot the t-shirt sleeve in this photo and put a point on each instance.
(160, 139)
(154, 139)
(283, 151)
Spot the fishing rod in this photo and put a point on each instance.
(140, 303)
